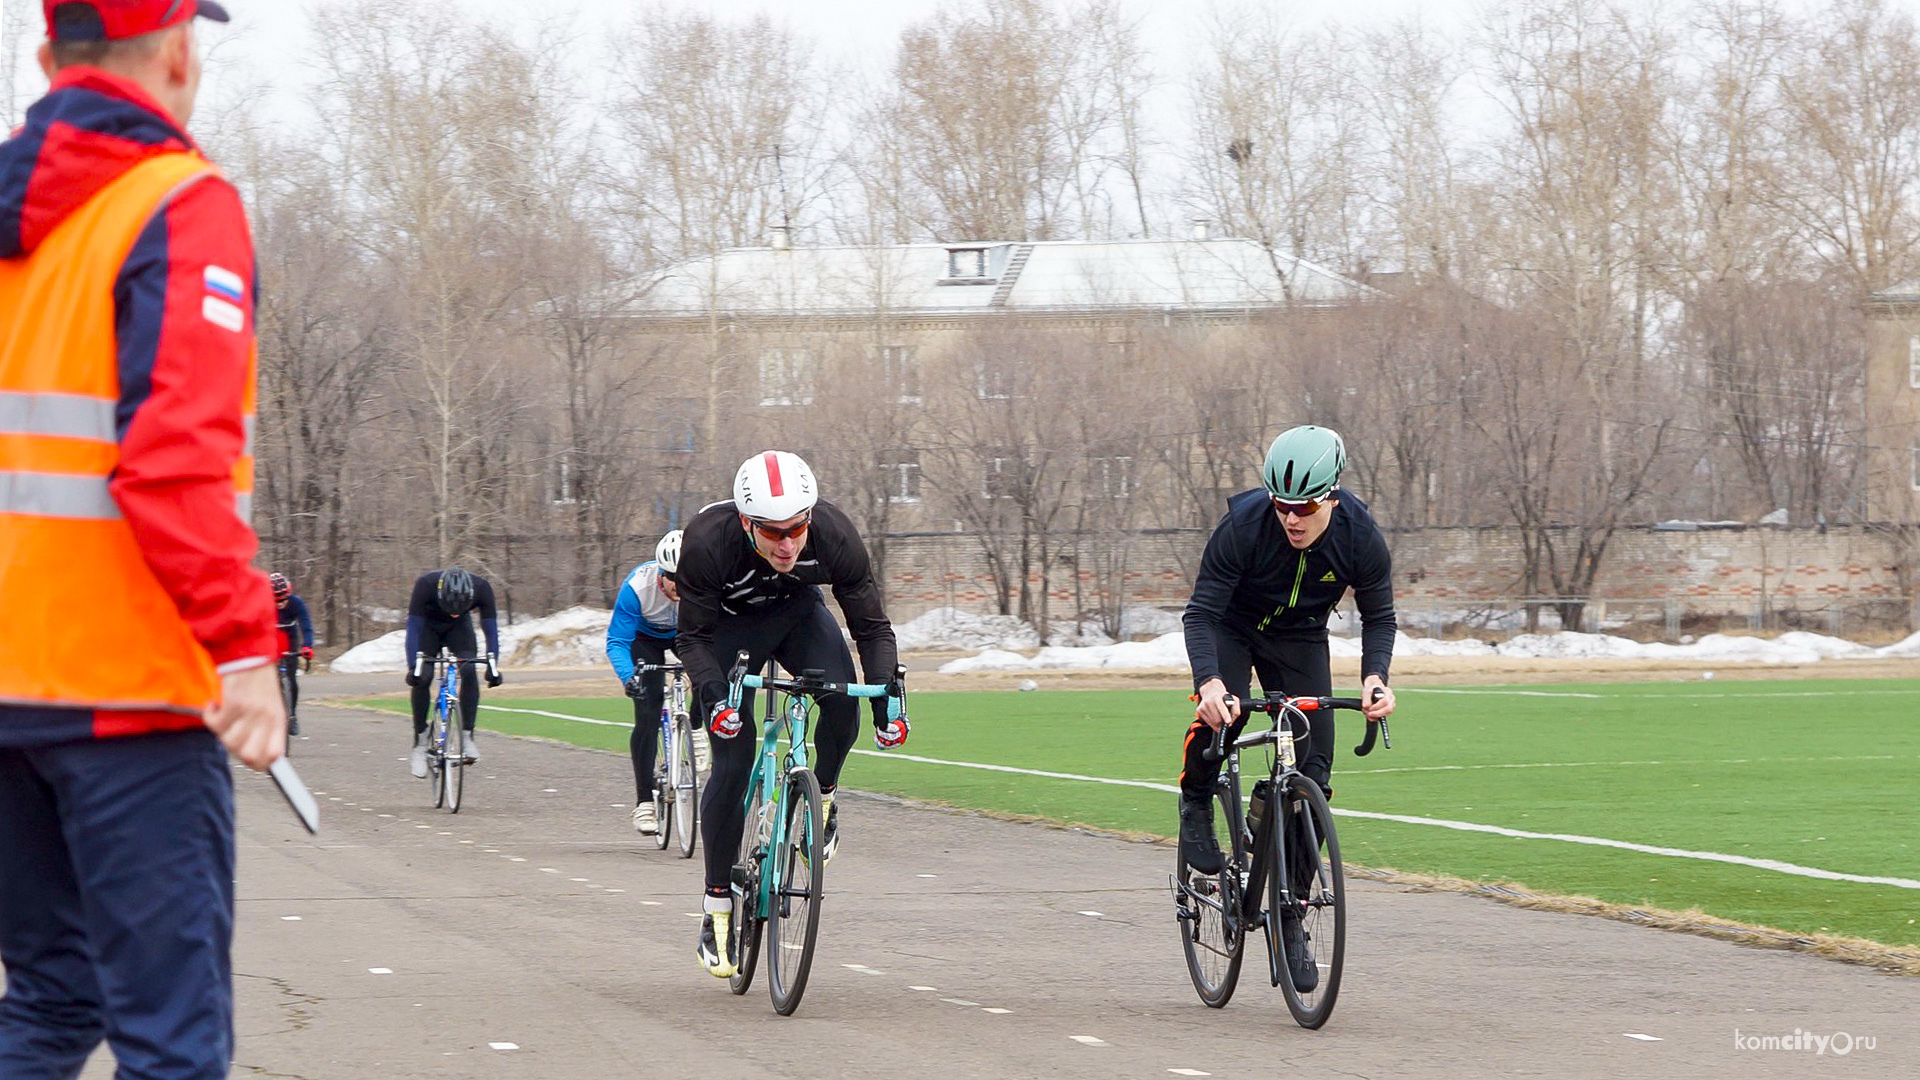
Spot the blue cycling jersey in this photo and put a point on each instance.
(642, 610)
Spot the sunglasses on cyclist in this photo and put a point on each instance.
(773, 534)
(1300, 509)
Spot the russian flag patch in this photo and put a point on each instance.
(222, 314)
(225, 283)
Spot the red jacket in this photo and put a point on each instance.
(181, 368)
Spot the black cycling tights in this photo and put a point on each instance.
(469, 699)
(801, 636)
(644, 744)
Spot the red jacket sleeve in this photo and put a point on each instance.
(184, 307)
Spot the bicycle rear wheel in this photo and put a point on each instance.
(456, 771)
(662, 802)
(1212, 933)
(1305, 835)
(286, 702)
(686, 790)
(437, 758)
(747, 916)
(799, 871)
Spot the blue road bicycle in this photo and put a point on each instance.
(676, 779)
(777, 882)
(446, 757)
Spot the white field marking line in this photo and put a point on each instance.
(1645, 849)
(1504, 693)
(1654, 697)
(1462, 826)
(560, 716)
(1619, 764)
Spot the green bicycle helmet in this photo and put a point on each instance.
(1304, 463)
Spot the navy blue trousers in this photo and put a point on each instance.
(116, 907)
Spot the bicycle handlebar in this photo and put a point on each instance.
(664, 669)
(814, 684)
(1274, 705)
(421, 662)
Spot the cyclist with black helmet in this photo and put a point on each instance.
(1273, 570)
(641, 631)
(296, 641)
(749, 578)
(436, 619)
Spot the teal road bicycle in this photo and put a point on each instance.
(778, 880)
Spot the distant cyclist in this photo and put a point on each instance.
(436, 619)
(296, 641)
(644, 618)
(1274, 568)
(749, 576)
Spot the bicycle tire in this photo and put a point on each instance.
(1212, 934)
(746, 903)
(686, 796)
(1324, 916)
(437, 759)
(793, 924)
(286, 702)
(456, 771)
(662, 802)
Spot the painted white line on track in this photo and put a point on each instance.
(651, 903)
(289, 918)
(1093, 914)
(579, 879)
(503, 1046)
(379, 971)
(1405, 819)
(927, 875)
(1643, 1038)
(1087, 1040)
(963, 1002)
(548, 870)
(862, 969)
(1617, 764)
(930, 989)
(997, 1012)
(1188, 1072)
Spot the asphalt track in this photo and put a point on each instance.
(534, 935)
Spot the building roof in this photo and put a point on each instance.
(946, 279)
(1907, 292)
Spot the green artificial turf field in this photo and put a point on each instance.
(1816, 774)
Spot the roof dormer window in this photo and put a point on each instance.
(966, 263)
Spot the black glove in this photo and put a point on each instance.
(494, 678)
(636, 686)
(413, 679)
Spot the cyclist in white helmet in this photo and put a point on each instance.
(1277, 563)
(644, 619)
(749, 580)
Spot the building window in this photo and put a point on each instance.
(966, 262)
(993, 380)
(1111, 476)
(1001, 479)
(786, 377)
(901, 373)
(1913, 470)
(901, 470)
(1913, 362)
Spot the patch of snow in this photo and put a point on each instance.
(1908, 648)
(571, 638)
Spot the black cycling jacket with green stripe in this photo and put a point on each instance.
(1256, 584)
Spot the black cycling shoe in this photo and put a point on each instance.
(1300, 966)
(293, 724)
(1198, 846)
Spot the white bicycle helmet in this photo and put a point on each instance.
(774, 486)
(667, 552)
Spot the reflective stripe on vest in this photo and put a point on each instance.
(86, 623)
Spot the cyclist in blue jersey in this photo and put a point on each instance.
(644, 619)
(296, 641)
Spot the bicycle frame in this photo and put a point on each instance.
(768, 776)
(672, 709)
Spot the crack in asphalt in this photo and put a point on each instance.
(294, 1002)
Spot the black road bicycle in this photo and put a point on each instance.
(1271, 875)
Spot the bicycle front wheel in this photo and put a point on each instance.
(663, 801)
(686, 789)
(1309, 851)
(1212, 933)
(798, 868)
(456, 772)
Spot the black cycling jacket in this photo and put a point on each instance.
(423, 610)
(721, 575)
(1254, 582)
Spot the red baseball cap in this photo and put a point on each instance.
(111, 20)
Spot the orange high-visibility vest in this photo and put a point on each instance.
(83, 620)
